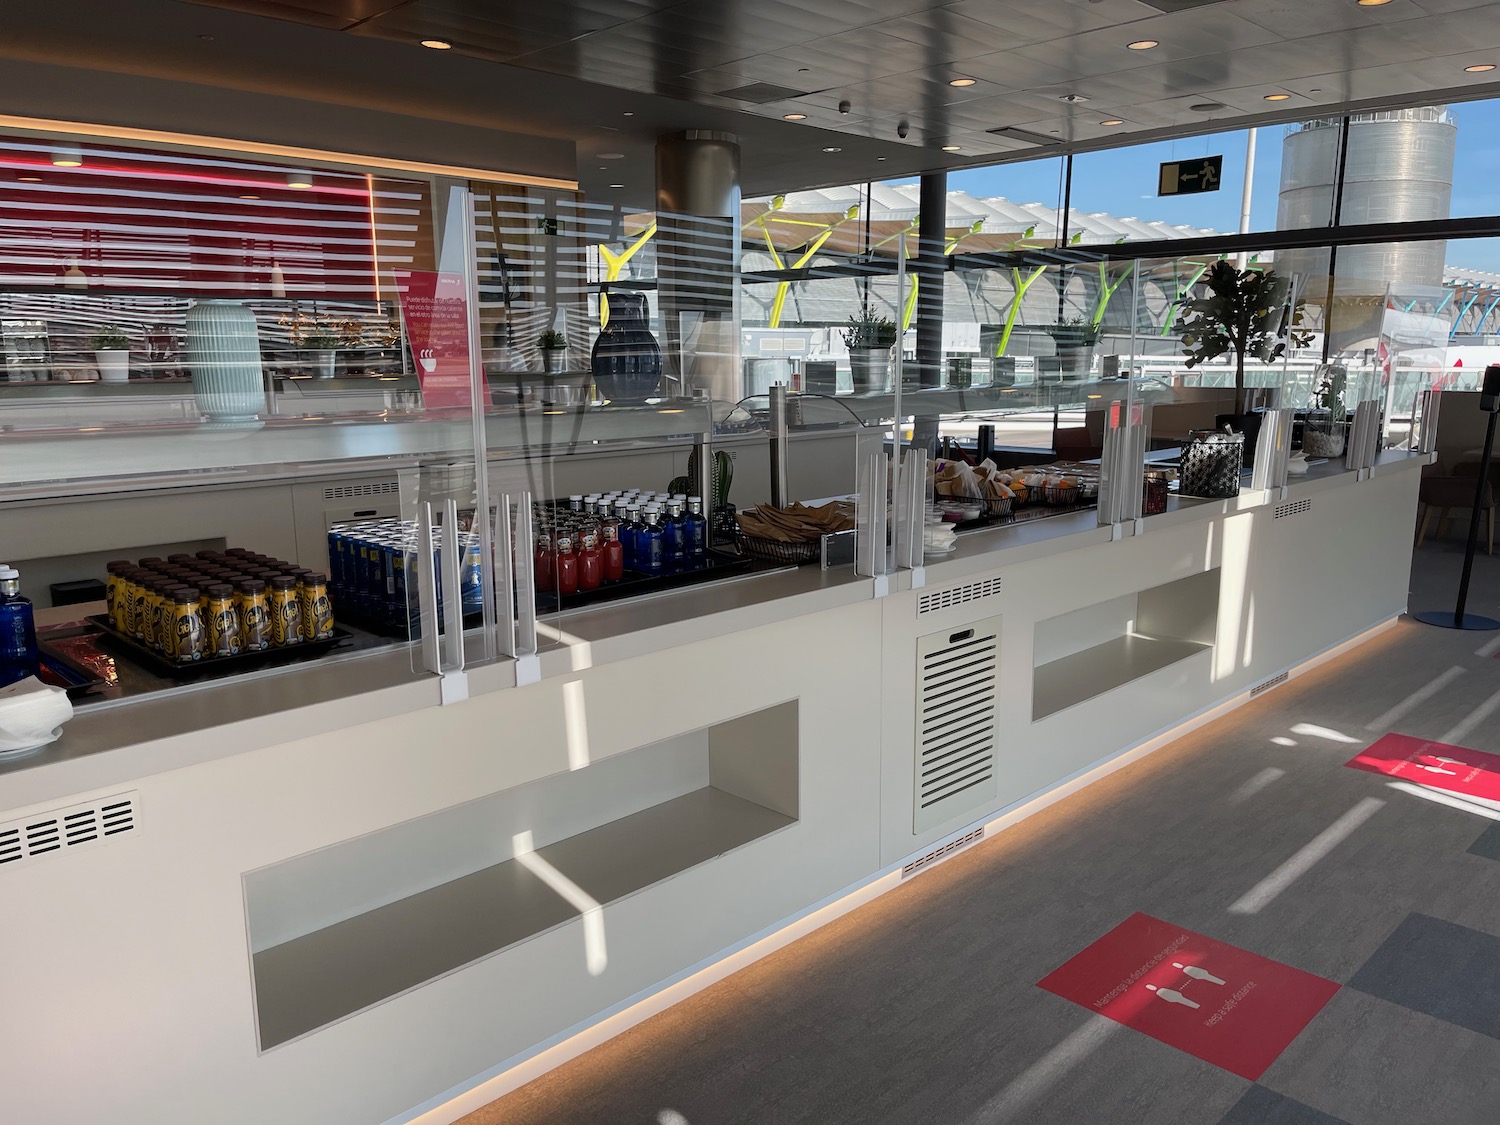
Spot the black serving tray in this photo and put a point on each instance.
(241, 662)
(64, 672)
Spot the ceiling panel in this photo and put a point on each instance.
(891, 59)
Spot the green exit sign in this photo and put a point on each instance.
(552, 227)
(1189, 177)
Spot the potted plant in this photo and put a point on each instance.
(554, 347)
(1075, 339)
(112, 355)
(870, 338)
(1323, 433)
(1240, 312)
(324, 346)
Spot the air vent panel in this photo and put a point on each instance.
(758, 93)
(1173, 6)
(954, 760)
(951, 596)
(64, 829)
(1269, 684)
(1025, 135)
(354, 491)
(937, 854)
(1296, 507)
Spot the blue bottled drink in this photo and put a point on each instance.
(18, 653)
(696, 527)
(652, 543)
(675, 526)
(630, 536)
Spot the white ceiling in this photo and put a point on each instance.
(611, 74)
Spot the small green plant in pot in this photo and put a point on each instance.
(112, 354)
(1323, 433)
(870, 338)
(324, 346)
(554, 347)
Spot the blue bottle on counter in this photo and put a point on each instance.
(652, 544)
(630, 536)
(675, 527)
(696, 527)
(18, 652)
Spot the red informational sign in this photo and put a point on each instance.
(435, 308)
(1221, 1004)
(1454, 768)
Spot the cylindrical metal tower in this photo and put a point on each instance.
(1399, 169)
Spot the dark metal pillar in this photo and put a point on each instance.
(930, 267)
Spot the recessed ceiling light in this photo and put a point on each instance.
(880, 158)
(1112, 121)
(833, 148)
(67, 158)
(438, 44)
(950, 148)
(1277, 97)
(1371, 3)
(1143, 44)
(30, 179)
(1206, 107)
(961, 81)
(628, 113)
(300, 180)
(794, 116)
(616, 185)
(609, 156)
(1479, 68)
(249, 196)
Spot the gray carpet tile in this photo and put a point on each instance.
(1488, 844)
(1442, 969)
(922, 1007)
(1370, 1062)
(1261, 1106)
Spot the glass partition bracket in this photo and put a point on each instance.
(871, 559)
(427, 613)
(780, 438)
(1122, 466)
(455, 681)
(703, 483)
(1273, 450)
(505, 592)
(910, 512)
(516, 596)
(1430, 404)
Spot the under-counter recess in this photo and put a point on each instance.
(348, 926)
(1083, 654)
(957, 682)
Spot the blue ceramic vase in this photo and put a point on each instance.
(223, 353)
(626, 359)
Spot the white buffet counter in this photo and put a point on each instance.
(342, 908)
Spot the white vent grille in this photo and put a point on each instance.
(955, 736)
(1269, 684)
(354, 491)
(957, 595)
(943, 852)
(61, 829)
(1294, 508)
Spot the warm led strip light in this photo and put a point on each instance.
(449, 1106)
(84, 130)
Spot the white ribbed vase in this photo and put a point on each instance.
(223, 353)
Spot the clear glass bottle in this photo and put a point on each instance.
(696, 525)
(18, 651)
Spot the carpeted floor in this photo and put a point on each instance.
(923, 1006)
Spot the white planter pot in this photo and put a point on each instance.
(113, 365)
(870, 369)
(325, 363)
(222, 344)
(555, 360)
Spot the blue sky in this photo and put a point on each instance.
(1123, 181)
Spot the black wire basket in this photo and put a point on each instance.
(774, 550)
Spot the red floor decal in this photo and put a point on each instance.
(1454, 768)
(1219, 1003)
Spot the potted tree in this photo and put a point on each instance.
(870, 338)
(1323, 433)
(112, 355)
(1240, 312)
(554, 347)
(1075, 339)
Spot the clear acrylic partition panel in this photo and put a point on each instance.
(183, 320)
(621, 411)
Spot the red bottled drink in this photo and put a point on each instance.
(614, 554)
(567, 567)
(590, 564)
(544, 564)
